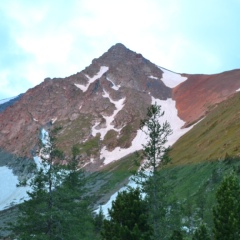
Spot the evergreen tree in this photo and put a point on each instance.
(55, 209)
(201, 233)
(154, 185)
(128, 218)
(227, 210)
(155, 150)
(177, 235)
(98, 221)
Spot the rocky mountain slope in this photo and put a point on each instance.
(98, 110)
(195, 97)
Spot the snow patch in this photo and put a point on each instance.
(152, 77)
(108, 205)
(109, 119)
(171, 115)
(171, 79)
(10, 194)
(115, 87)
(53, 120)
(84, 88)
(238, 90)
(44, 137)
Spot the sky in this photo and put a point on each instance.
(58, 38)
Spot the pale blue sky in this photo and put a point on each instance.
(57, 38)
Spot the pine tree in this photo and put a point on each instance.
(56, 208)
(201, 233)
(227, 210)
(128, 218)
(98, 221)
(155, 150)
(155, 185)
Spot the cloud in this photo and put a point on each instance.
(58, 38)
(12, 61)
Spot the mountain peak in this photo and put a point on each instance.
(118, 46)
(119, 49)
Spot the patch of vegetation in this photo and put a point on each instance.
(195, 186)
(125, 138)
(112, 177)
(214, 137)
(56, 129)
(110, 139)
(71, 132)
(91, 146)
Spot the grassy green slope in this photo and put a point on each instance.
(195, 185)
(216, 136)
(110, 178)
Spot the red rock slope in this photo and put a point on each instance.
(198, 93)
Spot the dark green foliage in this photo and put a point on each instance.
(201, 233)
(227, 210)
(165, 213)
(154, 185)
(154, 150)
(75, 150)
(177, 235)
(128, 218)
(98, 221)
(56, 208)
(57, 129)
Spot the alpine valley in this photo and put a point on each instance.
(98, 111)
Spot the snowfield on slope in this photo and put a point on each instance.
(171, 115)
(171, 79)
(10, 194)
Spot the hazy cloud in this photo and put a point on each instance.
(58, 38)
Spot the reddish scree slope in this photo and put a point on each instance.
(194, 96)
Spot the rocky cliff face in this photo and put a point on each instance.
(98, 110)
(114, 90)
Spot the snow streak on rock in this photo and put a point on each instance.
(115, 87)
(171, 115)
(109, 119)
(171, 79)
(152, 77)
(84, 88)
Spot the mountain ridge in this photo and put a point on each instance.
(98, 110)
